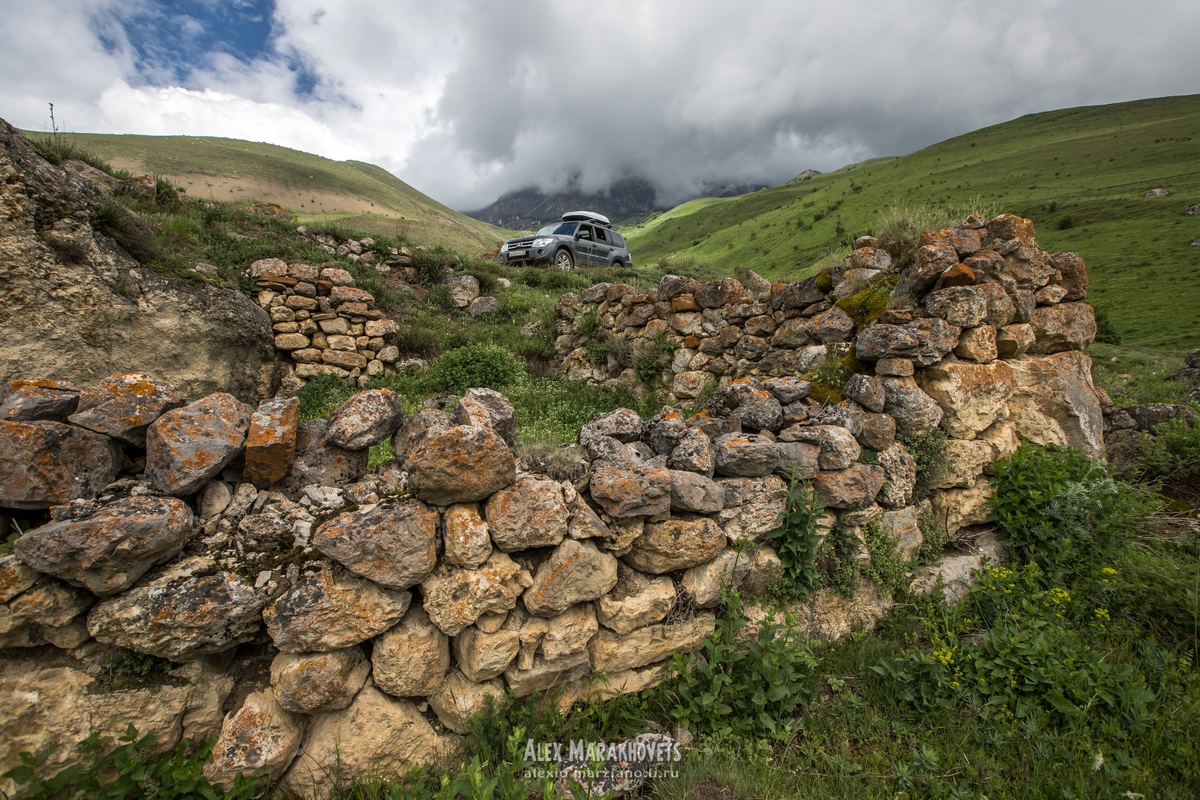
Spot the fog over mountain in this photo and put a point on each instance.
(470, 100)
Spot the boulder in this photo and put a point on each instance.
(187, 612)
(704, 582)
(376, 735)
(40, 399)
(695, 493)
(1055, 402)
(634, 491)
(623, 424)
(365, 420)
(318, 683)
(188, 446)
(48, 612)
(545, 674)
(961, 306)
(576, 572)
(851, 488)
(124, 406)
(753, 505)
(788, 390)
(483, 305)
(45, 463)
(971, 396)
(529, 513)
(109, 550)
(900, 476)
(259, 740)
(838, 447)
(915, 412)
(465, 540)
(745, 455)
(394, 546)
(331, 610)
(321, 462)
(611, 652)
(410, 659)
(635, 601)
(866, 390)
(834, 325)
(678, 543)
(925, 341)
(462, 290)
(694, 453)
(955, 509)
(1069, 326)
(903, 525)
(977, 344)
(1073, 275)
(457, 698)
(490, 408)
(878, 432)
(416, 431)
(963, 463)
(464, 464)
(455, 598)
(1014, 340)
(271, 440)
(800, 460)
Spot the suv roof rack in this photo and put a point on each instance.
(586, 216)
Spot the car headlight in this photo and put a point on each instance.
(543, 242)
(504, 247)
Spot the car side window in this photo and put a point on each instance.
(600, 235)
(585, 231)
(617, 241)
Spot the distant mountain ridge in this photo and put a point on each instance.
(626, 201)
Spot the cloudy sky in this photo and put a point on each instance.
(466, 99)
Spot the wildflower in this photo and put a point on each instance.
(1097, 762)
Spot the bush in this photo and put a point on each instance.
(473, 366)
(1172, 453)
(796, 541)
(428, 264)
(651, 357)
(1062, 511)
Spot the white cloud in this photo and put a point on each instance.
(466, 99)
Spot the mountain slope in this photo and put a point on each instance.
(316, 189)
(1081, 174)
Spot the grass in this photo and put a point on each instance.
(319, 190)
(1093, 164)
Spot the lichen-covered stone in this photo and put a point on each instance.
(695, 493)
(331, 610)
(634, 491)
(855, 487)
(124, 406)
(39, 399)
(457, 698)
(319, 461)
(365, 420)
(410, 659)
(637, 600)
(109, 550)
(745, 455)
(611, 652)
(455, 598)
(576, 572)
(464, 464)
(1055, 402)
(188, 446)
(259, 740)
(678, 543)
(529, 513)
(925, 341)
(1069, 326)
(971, 396)
(900, 474)
(395, 545)
(466, 542)
(915, 412)
(271, 440)
(694, 453)
(623, 424)
(45, 463)
(318, 683)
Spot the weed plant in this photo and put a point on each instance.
(797, 540)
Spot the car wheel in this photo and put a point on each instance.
(617, 265)
(564, 261)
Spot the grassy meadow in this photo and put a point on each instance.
(1080, 174)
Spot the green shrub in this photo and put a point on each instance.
(428, 264)
(320, 396)
(743, 689)
(929, 451)
(129, 664)
(418, 340)
(1065, 222)
(439, 297)
(1061, 510)
(652, 356)
(1172, 453)
(473, 366)
(796, 541)
(531, 277)
(57, 149)
(838, 561)
(588, 324)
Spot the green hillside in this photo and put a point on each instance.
(1081, 174)
(351, 193)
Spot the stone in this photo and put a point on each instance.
(108, 551)
(1055, 402)
(465, 541)
(704, 582)
(343, 360)
(977, 344)
(865, 390)
(623, 424)
(271, 440)
(457, 698)
(1148, 416)
(464, 464)
(692, 384)
(15, 577)
(488, 408)
(915, 412)
(265, 531)
(791, 334)
(611, 652)
(664, 430)
(1014, 340)
(292, 341)
(318, 683)
(529, 513)
(800, 294)
(925, 341)
(259, 740)
(40, 399)
(904, 527)
(800, 460)
(455, 597)
(963, 464)
(1073, 275)
(46, 612)
(124, 406)
(878, 432)
(1069, 326)
(483, 656)
(855, 487)
(635, 601)
(759, 411)
(787, 390)
(376, 735)
(483, 305)
(45, 463)
(394, 546)
(544, 674)
(827, 614)
(419, 429)
(745, 455)
(958, 573)
(838, 448)
(956, 509)
(678, 543)
(900, 476)
(331, 610)
(365, 420)
(576, 572)
(184, 614)
(633, 491)
(961, 306)
(971, 396)
(412, 658)
(695, 493)
(834, 325)
(1049, 295)
(894, 367)
(935, 254)
(188, 446)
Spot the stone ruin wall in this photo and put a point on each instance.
(399, 598)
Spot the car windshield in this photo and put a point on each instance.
(558, 229)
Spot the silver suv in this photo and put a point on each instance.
(582, 239)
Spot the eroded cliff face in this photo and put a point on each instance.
(75, 306)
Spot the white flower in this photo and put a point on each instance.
(1097, 762)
